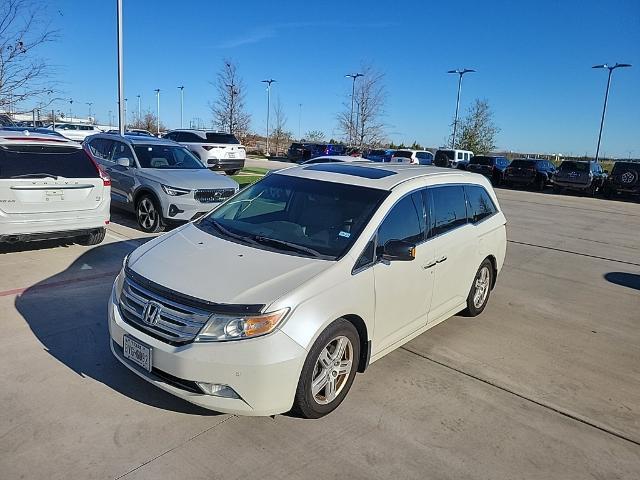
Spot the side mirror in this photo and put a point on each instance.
(398, 250)
(123, 162)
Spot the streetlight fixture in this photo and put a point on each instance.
(234, 92)
(268, 82)
(611, 68)
(353, 76)
(460, 73)
(181, 88)
(121, 114)
(157, 90)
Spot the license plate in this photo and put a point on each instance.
(137, 352)
(53, 195)
(232, 155)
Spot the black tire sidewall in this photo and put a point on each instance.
(471, 309)
(304, 403)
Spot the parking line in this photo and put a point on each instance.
(60, 283)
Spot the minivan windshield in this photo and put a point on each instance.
(166, 157)
(296, 216)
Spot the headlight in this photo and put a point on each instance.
(221, 328)
(175, 192)
(119, 282)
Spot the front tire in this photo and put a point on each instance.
(149, 215)
(328, 371)
(480, 289)
(232, 172)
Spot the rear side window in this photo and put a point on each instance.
(480, 205)
(226, 138)
(405, 221)
(448, 208)
(101, 148)
(38, 161)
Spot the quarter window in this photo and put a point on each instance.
(101, 148)
(448, 208)
(480, 205)
(405, 221)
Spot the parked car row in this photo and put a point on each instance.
(53, 187)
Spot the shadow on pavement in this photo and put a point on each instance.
(631, 280)
(68, 314)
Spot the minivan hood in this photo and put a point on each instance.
(189, 179)
(201, 265)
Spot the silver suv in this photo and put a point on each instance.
(217, 150)
(159, 180)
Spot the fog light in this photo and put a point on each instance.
(173, 210)
(218, 390)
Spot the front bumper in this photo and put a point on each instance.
(263, 371)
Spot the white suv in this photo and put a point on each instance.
(50, 188)
(217, 150)
(76, 131)
(414, 157)
(278, 297)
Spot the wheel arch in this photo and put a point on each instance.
(494, 265)
(146, 191)
(365, 343)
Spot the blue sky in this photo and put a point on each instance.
(533, 62)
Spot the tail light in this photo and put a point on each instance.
(104, 176)
(207, 147)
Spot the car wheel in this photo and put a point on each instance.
(328, 371)
(557, 189)
(480, 289)
(93, 238)
(232, 172)
(540, 184)
(149, 215)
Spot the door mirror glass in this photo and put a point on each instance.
(124, 162)
(398, 250)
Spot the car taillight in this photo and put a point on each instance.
(207, 147)
(104, 176)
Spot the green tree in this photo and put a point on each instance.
(478, 130)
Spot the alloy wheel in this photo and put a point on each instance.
(332, 370)
(482, 287)
(147, 214)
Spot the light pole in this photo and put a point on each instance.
(157, 90)
(70, 110)
(125, 112)
(110, 122)
(181, 87)
(353, 93)
(121, 114)
(299, 121)
(89, 103)
(234, 92)
(138, 107)
(460, 73)
(268, 82)
(606, 98)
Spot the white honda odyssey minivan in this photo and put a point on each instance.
(50, 187)
(273, 301)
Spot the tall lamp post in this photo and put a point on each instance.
(89, 103)
(138, 107)
(121, 119)
(125, 112)
(157, 90)
(181, 88)
(353, 76)
(70, 110)
(611, 68)
(234, 92)
(460, 73)
(299, 121)
(268, 82)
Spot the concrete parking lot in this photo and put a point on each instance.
(545, 384)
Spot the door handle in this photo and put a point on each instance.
(441, 259)
(429, 265)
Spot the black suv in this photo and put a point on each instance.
(529, 172)
(624, 178)
(300, 152)
(584, 176)
(490, 166)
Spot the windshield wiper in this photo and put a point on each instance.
(289, 245)
(36, 175)
(229, 233)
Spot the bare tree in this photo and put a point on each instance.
(228, 110)
(149, 122)
(314, 136)
(23, 75)
(280, 136)
(479, 131)
(369, 99)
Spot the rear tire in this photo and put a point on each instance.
(328, 371)
(480, 289)
(540, 184)
(149, 215)
(232, 172)
(95, 237)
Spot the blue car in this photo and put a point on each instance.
(380, 155)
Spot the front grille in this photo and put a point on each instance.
(173, 322)
(213, 195)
